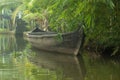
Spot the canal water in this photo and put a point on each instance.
(20, 61)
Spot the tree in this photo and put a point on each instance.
(100, 17)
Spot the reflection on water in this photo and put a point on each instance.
(18, 61)
(99, 68)
(8, 68)
(66, 67)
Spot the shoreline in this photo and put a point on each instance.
(7, 32)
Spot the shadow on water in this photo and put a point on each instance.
(82, 63)
(20, 62)
(67, 67)
(100, 68)
(20, 42)
(8, 45)
(17, 62)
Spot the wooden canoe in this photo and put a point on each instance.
(67, 43)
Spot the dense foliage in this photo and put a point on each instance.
(100, 18)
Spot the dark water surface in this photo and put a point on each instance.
(18, 61)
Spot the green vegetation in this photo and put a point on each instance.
(100, 19)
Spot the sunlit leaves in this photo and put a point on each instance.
(100, 17)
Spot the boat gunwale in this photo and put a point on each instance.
(44, 34)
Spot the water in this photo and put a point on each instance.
(19, 61)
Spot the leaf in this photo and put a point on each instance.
(111, 4)
(115, 51)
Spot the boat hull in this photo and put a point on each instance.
(67, 43)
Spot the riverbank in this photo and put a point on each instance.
(7, 32)
(106, 53)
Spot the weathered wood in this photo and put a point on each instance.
(68, 43)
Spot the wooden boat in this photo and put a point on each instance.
(67, 43)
